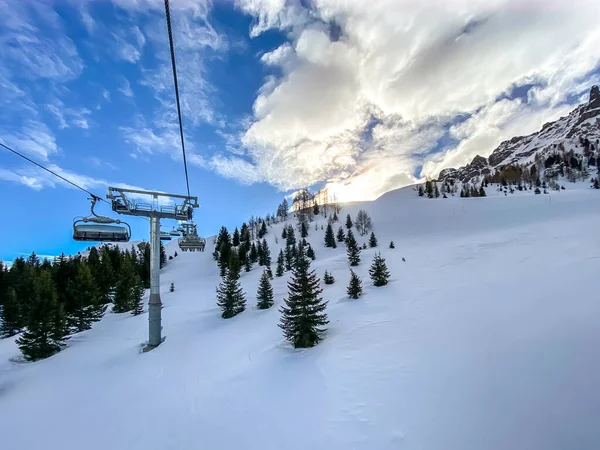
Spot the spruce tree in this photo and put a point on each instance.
(284, 233)
(137, 304)
(235, 265)
(253, 253)
(372, 240)
(290, 236)
(392, 244)
(364, 246)
(163, 256)
(225, 252)
(335, 217)
(263, 229)
(264, 295)
(352, 249)
(328, 278)
(267, 257)
(230, 296)
(280, 264)
(236, 237)
(124, 292)
(303, 315)
(303, 230)
(330, 237)
(378, 271)
(244, 233)
(341, 237)
(86, 301)
(10, 319)
(310, 252)
(247, 264)
(289, 257)
(46, 329)
(261, 253)
(348, 221)
(354, 289)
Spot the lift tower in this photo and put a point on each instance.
(122, 204)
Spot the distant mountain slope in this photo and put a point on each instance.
(579, 132)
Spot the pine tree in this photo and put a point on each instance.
(303, 315)
(264, 296)
(316, 208)
(392, 244)
(137, 304)
(421, 190)
(354, 289)
(124, 291)
(225, 251)
(163, 256)
(247, 264)
(335, 217)
(172, 287)
(236, 237)
(352, 249)
(267, 257)
(86, 299)
(46, 329)
(253, 253)
(230, 296)
(303, 230)
(328, 278)
(310, 253)
(284, 233)
(372, 240)
(364, 246)
(289, 257)
(280, 264)
(10, 319)
(290, 239)
(348, 221)
(263, 230)
(341, 237)
(330, 237)
(235, 265)
(378, 271)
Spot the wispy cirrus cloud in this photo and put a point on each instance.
(125, 88)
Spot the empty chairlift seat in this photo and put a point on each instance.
(100, 232)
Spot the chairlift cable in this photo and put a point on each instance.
(174, 66)
(52, 172)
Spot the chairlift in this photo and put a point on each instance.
(165, 236)
(97, 228)
(190, 240)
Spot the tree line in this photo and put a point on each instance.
(47, 301)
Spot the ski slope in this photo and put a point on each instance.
(486, 338)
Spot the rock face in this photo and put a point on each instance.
(564, 134)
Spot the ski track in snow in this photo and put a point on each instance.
(484, 339)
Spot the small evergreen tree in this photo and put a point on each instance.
(263, 230)
(253, 253)
(261, 253)
(235, 265)
(372, 240)
(421, 191)
(236, 237)
(124, 292)
(284, 233)
(230, 296)
(352, 249)
(289, 257)
(280, 264)
(303, 230)
(303, 315)
(341, 237)
(335, 217)
(86, 301)
(290, 239)
(364, 246)
(354, 289)
(163, 256)
(328, 278)
(348, 221)
(46, 328)
(310, 253)
(378, 271)
(172, 287)
(247, 265)
(330, 237)
(264, 296)
(392, 244)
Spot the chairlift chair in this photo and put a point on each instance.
(97, 228)
(191, 241)
(165, 236)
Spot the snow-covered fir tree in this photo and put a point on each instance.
(280, 264)
(352, 249)
(138, 303)
(341, 237)
(378, 271)
(264, 295)
(85, 300)
(392, 245)
(372, 240)
(354, 289)
(230, 296)
(46, 328)
(348, 221)
(310, 252)
(303, 315)
(328, 278)
(303, 230)
(329, 237)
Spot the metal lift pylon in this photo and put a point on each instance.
(121, 204)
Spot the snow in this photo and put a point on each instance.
(486, 338)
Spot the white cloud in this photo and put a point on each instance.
(69, 116)
(34, 139)
(128, 43)
(348, 99)
(106, 95)
(126, 89)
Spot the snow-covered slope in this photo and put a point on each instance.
(486, 338)
(562, 135)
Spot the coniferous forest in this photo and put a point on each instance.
(48, 301)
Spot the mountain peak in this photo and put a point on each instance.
(595, 95)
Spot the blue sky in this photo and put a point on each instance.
(276, 95)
